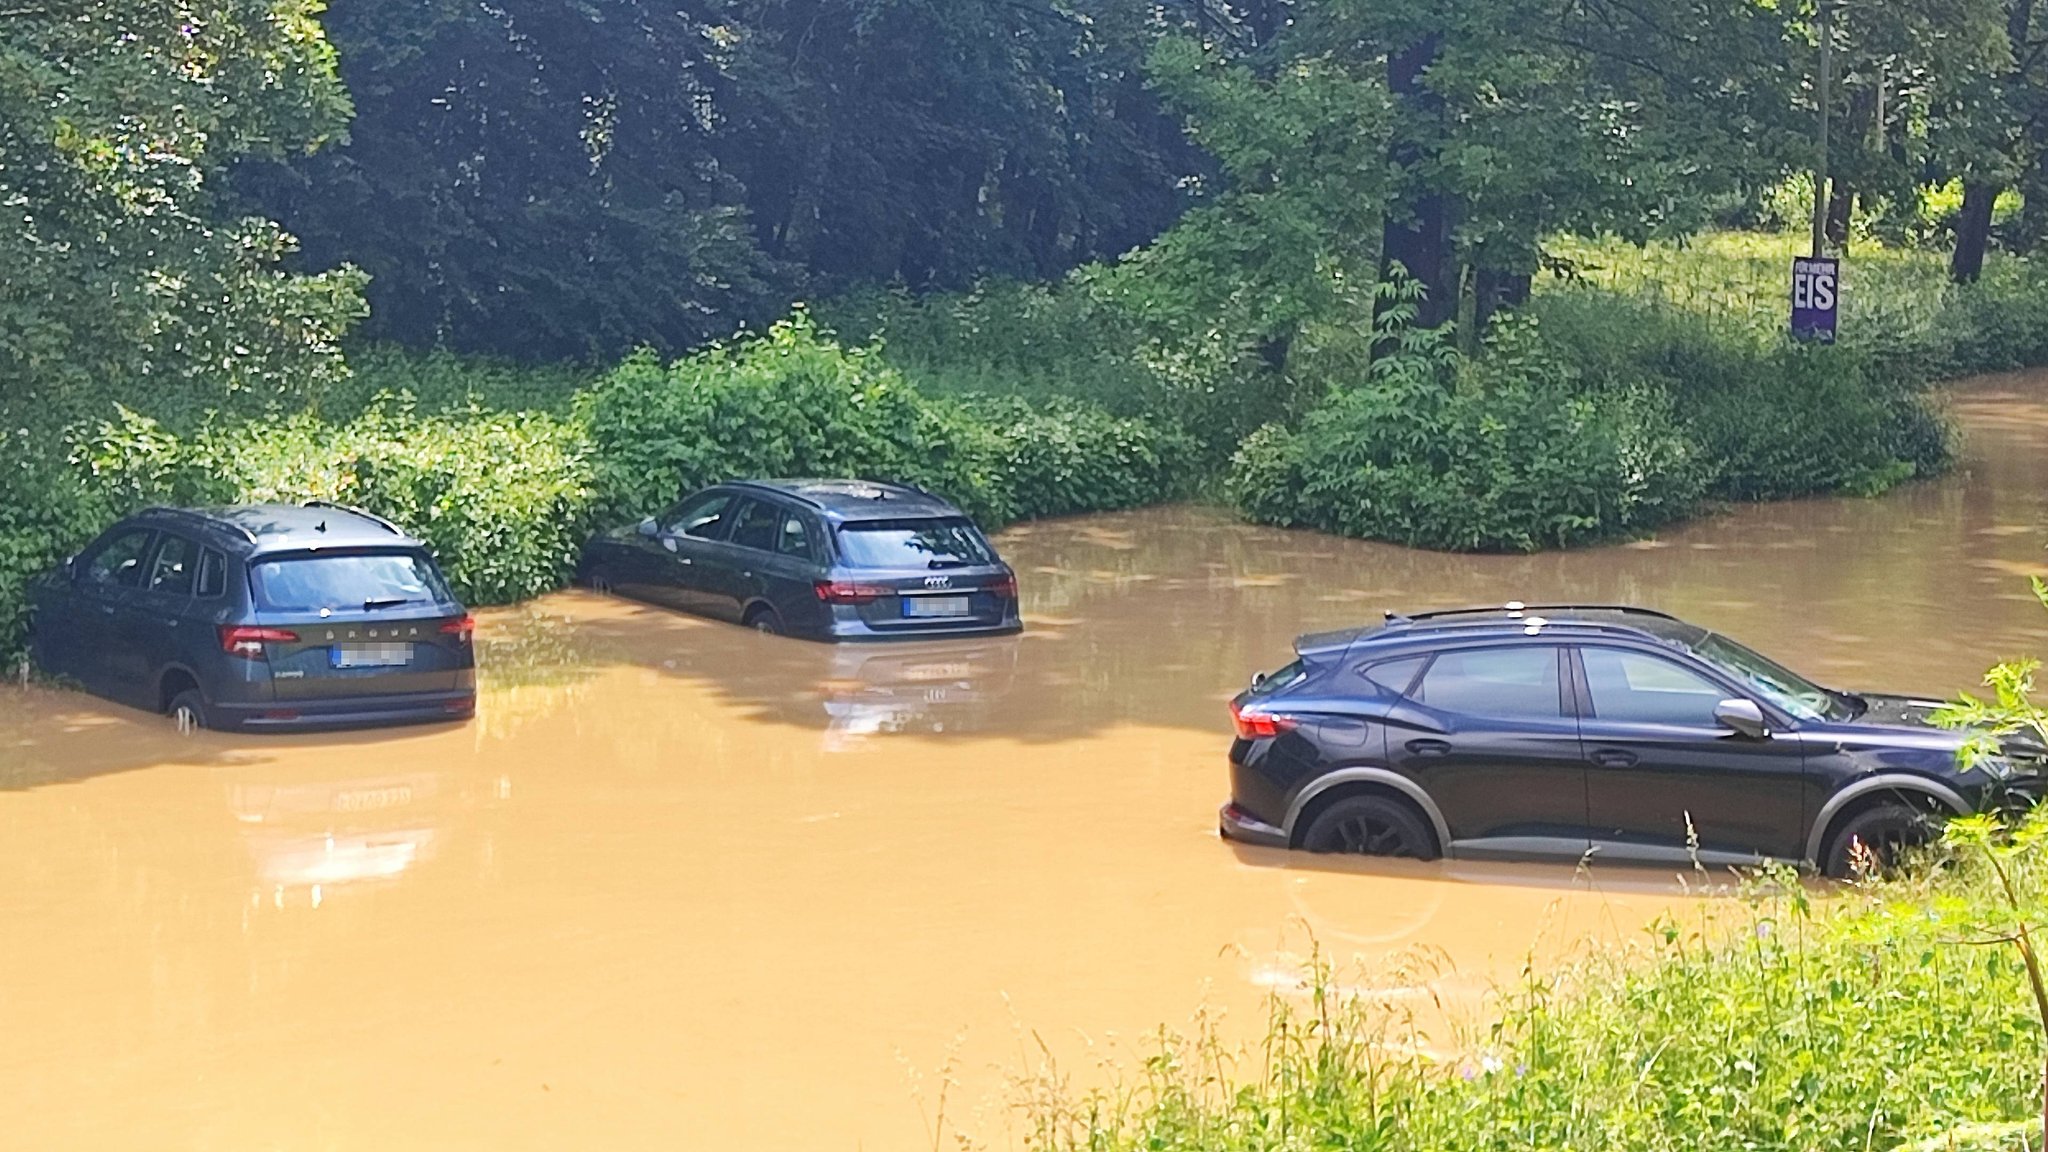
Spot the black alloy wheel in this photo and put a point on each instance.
(1371, 826)
(1874, 840)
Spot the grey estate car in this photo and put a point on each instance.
(819, 559)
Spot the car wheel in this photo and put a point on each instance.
(188, 711)
(765, 621)
(1371, 826)
(1875, 839)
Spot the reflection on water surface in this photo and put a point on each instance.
(684, 886)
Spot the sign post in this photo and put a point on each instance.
(1816, 292)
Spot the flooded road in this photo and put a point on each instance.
(681, 886)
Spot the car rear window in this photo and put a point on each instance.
(947, 543)
(351, 581)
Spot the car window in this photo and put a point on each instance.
(706, 517)
(175, 565)
(119, 563)
(953, 542)
(1636, 687)
(1396, 676)
(357, 582)
(1504, 683)
(213, 575)
(795, 538)
(758, 526)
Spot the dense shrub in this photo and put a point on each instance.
(1771, 418)
(1507, 453)
(502, 498)
(1055, 457)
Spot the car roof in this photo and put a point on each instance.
(1579, 621)
(844, 500)
(255, 528)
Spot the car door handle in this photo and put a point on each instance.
(1614, 758)
(1430, 747)
(683, 560)
(104, 609)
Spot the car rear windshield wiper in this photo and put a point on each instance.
(375, 605)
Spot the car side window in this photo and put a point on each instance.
(757, 526)
(1396, 676)
(795, 538)
(213, 575)
(176, 563)
(1497, 683)
(1635, 687)
(118, 564)
(706, 517)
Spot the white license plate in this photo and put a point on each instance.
(926, 607)
(370, 655)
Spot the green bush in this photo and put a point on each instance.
(1510, 452)
(502, 498)
(1055, 457)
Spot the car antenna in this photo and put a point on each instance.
(320, 527)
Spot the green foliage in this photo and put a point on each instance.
(1870, 1017)
(791, 403)
(120, 274)
(1056, 457)
(1509, 452)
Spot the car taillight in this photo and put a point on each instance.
(1259, 725)
(1003, 589)
(849, 592)
(464, 627)
(247, 642)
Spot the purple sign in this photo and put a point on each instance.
(1815, 293)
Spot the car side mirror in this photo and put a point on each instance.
(1742, 717)
(70, 569)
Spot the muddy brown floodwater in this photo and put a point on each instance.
(681, 887)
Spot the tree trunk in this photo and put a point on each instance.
(1417, 232)
(1973, 231)
(1841, 207)
(1495, 290)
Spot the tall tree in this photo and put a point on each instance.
(1995, 122)
(117, 267)
(539, 178)
(936, 142)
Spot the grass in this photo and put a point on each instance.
(1876, 1016)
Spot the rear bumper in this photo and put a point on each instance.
(855, 632)
(1237, 824)
(346, 712)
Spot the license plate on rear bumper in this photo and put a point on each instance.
(370, 655)
(936, 607)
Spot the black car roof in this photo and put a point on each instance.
(254, 528)
(844, 500)
(1509, 620)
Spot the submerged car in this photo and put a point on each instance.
(266, 616)
(819, 559)
(1561, 731)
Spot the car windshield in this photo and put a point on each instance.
(951, 543)
(1780, 685)
(363, 581)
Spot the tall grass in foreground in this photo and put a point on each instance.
(1876, 1016)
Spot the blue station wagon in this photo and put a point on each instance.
(263, 616)
(820, 559)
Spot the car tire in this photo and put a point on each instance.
(765, 621)
(1876, 837)
(188, 711)
(1371, 826)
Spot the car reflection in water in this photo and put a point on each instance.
(310, 838)
(928, 688)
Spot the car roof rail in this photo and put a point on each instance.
(372, 517)
(166, 510)
(1515, 609)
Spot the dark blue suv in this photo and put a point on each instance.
(264, 616)
(821, 559)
